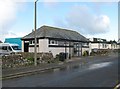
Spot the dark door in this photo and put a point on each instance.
(26, 47)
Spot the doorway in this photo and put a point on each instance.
(26, 46)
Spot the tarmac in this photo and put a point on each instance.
(28, 70)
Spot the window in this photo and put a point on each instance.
(9, 48)
(30, 42)
(33, 41)
(105, 46)
(53, 42)
(4, 48)
(95, 39)
(15, 47)
(56, 42)
(102, 45)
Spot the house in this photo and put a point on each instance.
(14, 41)
(98, 43)
(118, 44)
(56, 40)
(113, 44)
(102, 44)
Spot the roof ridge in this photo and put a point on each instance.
(56, 32)
(59, 28)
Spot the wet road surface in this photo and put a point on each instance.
(100, 73)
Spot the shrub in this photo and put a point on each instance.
(30, 58)
(85, 53)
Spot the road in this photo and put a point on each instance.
(102, 72)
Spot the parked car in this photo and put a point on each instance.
(6, 48)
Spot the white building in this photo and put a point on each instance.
(98, 43)
(118, 43)
(56, 40)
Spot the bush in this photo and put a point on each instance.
(30, 58)
(56, 59)
(92, 53)
(57, 56)
(85, 53)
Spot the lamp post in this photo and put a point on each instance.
(35, 24)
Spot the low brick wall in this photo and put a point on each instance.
(25, 59)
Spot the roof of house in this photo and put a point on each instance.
(108, 42)
(57, 33)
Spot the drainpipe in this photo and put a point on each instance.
(81, 48)
(65, 51)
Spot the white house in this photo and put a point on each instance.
(56, 40)
(98, 43)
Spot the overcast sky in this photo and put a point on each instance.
(91, 18)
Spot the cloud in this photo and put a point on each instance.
(8, 12)
(83, 19)
(79, 0)
(50, 3)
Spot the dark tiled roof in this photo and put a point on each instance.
(53, 32)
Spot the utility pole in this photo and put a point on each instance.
(35, 25)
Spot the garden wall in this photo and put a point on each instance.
(25, 59)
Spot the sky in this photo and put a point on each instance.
(91, 18)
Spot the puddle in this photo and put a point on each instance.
(75, 66)
(100, 65)
(69, 67)
(57, 69)
(63, 68)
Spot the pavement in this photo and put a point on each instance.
(23, 71)
(28, 70)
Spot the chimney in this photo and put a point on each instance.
(32, 30)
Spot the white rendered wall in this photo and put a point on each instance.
(109, 46)
(57, 50)
(94, 45)
(90, 48)
(85, 49)
(43, 45)
(31, 49)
